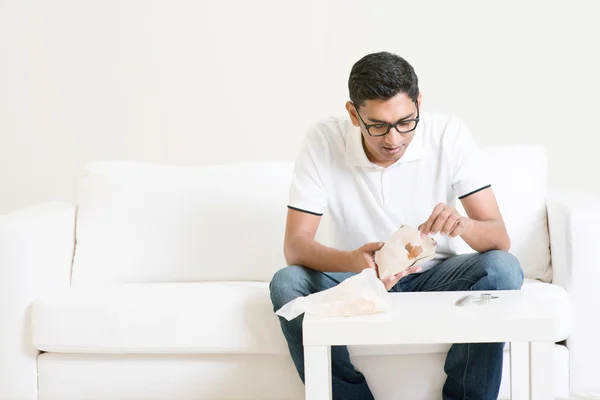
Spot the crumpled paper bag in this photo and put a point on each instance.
(360, 294)
(403, 250)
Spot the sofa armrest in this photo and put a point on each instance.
(36, 252)
(573, 221)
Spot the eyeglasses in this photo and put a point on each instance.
(402, 126)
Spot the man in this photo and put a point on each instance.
(386, 165)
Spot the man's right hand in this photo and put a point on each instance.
(364, 257)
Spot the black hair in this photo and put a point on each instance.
(382, 76)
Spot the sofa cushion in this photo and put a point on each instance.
(174, 318)
(141, 222)
(518, 178)
(183, 318)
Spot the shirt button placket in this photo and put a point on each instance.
(385, 189)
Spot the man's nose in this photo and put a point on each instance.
(393, 138)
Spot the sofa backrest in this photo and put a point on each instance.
(518, 177)
(140, 222)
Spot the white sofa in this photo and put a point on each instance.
(155, 286)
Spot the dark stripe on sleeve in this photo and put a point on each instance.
(474, 191)
(305, 211)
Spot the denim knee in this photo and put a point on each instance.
(288, 284)
(503, 270)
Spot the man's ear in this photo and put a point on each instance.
(352, 113)
(419, 100)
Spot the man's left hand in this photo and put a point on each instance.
(446, 220)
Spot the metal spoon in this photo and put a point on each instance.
(481, 300)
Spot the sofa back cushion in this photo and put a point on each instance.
(518, 178)
(141, 222)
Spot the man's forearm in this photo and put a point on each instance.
(307, 252)
(484, 236)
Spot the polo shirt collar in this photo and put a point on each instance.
(356, 156)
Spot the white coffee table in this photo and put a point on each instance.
(525, 320)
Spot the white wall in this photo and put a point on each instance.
(212, 81)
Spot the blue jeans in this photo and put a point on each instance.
(474, 371)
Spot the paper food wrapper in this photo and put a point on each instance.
(403, 250)
(360, 294)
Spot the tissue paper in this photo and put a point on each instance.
(360, 294)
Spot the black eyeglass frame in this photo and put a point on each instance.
(390, 126)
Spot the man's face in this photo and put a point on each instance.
(385, 150)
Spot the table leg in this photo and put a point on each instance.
(317, 372)
(542, 370)
(519, 370)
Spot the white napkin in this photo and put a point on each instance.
(360, 294)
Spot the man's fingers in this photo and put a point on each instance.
(407, 271)
(391, 281)
(420, 229)
(373, 265)
(427, 226)
(376, 268)
(412, 270)
(450, 224)
(459, 228)
(388, 282)
(441, 220)
(415, 268)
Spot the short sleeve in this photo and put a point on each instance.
(469, 174)
(307, 191)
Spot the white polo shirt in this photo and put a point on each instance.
(367, 203)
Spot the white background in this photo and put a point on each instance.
(195, 82)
